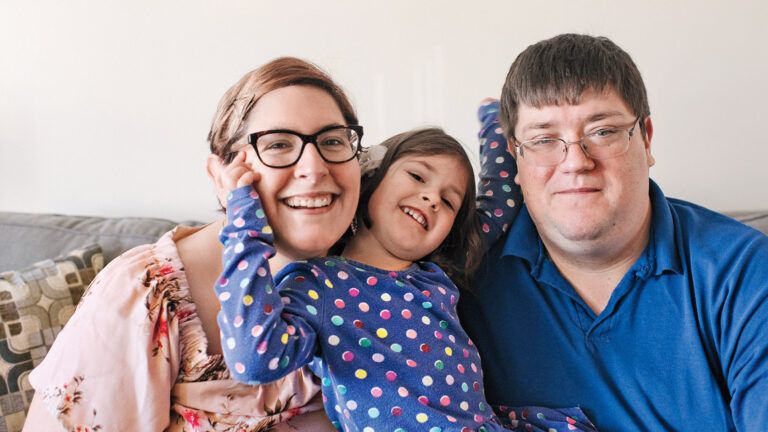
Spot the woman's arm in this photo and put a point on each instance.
(498, 197)
(265, 333)
(102, 370)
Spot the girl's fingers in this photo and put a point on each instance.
(246, 179)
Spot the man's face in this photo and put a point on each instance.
(583, 202)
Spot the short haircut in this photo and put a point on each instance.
(460, 253)
(559, 70)
(228, 125)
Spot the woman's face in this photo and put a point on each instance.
(309, 204)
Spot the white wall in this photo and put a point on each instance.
(104, 105)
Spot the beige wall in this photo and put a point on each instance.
(104, 105)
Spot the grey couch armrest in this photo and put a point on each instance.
(756, 219)
(26, 238)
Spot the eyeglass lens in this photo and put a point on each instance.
(285, 148)
(606, 144)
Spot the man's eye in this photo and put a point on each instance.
(605, 133)
(416, 177)
(542, 144)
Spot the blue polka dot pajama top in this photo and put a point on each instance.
(387, 345)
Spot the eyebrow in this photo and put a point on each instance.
(329, 125)
(593, 118)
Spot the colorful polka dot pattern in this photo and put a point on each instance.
(542, 419)
(498, 197)
(393, 352)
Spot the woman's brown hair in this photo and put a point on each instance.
(228, 125)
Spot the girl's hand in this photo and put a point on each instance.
(238, 173)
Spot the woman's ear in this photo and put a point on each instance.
(214, 166)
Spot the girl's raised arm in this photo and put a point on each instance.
(498, 197)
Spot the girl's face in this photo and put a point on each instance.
(413, 209)
(310, 204)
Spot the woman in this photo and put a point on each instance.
(142, 352)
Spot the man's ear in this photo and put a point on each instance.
(513, 151)
(214, 167)
(511, 148)
(647, 141)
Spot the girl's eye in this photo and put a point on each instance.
(448, 203)
(416, 177)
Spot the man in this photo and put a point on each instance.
(649, 313)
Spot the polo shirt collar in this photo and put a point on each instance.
(662, 250)
(660, 255)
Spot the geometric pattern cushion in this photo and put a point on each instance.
(34, 306)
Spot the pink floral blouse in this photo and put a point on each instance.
(133, 357)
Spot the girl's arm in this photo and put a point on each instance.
(266, 332)
(498, 197)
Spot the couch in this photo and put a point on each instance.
(47, 261)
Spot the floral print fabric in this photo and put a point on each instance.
(134, 357)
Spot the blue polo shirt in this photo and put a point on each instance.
(681, 345)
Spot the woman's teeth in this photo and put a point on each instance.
(416, 215)
(315, 202)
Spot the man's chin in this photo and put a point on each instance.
(581, 232)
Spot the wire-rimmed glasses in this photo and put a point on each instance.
(604, 143)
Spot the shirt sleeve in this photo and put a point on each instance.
(498, 197)
(743, 341)
(266, 333)
(113, 364)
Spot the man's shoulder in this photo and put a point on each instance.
(717, 249)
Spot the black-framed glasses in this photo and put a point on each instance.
(604, 143)
(281, 148)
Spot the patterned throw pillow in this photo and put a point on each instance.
(35, 303)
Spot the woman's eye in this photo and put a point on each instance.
(332, 143)
(416, 177)
(277, 145)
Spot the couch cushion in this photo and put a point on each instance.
(35, 303)
(755, 219)
(29, 237)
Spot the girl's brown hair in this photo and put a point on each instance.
(228, 125)
(460, 253)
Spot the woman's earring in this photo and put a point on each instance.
(354, 226)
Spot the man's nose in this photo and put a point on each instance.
(576, 158)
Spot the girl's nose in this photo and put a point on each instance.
(432, 202)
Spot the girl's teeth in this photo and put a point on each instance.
(417, 216)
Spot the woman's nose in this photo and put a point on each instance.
(311, 165)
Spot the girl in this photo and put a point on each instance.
(379, 321)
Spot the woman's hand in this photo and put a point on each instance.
(238, 173)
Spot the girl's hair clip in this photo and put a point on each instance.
(370, 159)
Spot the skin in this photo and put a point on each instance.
(593, 216)
(431, 187)
(299, 233)
(305, 110)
